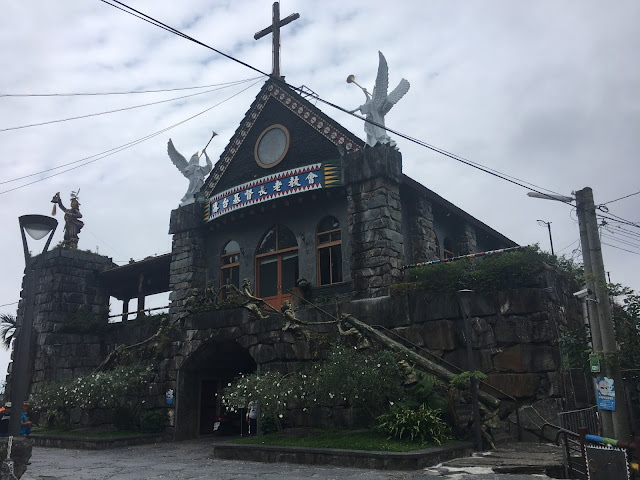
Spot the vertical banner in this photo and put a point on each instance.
(606, 393)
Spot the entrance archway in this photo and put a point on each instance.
(199, 387)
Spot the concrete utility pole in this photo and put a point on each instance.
(614, 423)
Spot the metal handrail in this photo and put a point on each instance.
(451, 365)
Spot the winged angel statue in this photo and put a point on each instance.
(378, 104)
(191, 169)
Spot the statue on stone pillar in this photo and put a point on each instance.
(191, 169)
(378, 104)
(72, 216)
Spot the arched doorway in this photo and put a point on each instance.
(276, 265)
(201, 380)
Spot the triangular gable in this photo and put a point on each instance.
(312, 129)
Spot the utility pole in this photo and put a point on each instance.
(614, 423)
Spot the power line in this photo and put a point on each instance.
(625, 242)
(7, 304)
(514, 180)
(83, 94)
(113, 111)
(622, 198)
(86, 158)
(620, 248)
(115, 150)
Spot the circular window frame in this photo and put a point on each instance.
(284, 152)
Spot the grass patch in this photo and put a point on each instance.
(333, 438)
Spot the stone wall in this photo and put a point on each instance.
(69, 288)
(188, 262)
(372, 176)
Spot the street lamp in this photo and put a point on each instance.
(465, 299)
(37, 227)
(542, 223)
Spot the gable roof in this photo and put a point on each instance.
(275, 91)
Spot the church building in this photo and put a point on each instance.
(295, 197)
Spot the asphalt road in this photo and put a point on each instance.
(192, 460)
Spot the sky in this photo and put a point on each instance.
(547, 92)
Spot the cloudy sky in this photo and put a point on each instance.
(547, 92)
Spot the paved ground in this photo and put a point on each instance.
(192, 461)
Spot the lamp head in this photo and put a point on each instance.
(38, 227)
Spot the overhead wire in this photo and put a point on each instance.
(39, 124)
(132, 92)
(621, 198)
(514, 180)
(97, 154)
(130, 144)
(620, 248)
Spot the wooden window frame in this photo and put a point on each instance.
(329, 244)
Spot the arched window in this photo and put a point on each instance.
(276, 265)
(230, 265)
(329, 251)
(447, 246)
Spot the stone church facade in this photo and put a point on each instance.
(295, 200)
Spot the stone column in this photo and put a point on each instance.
(69, 289)
(372, 177)
(467, 240)
(188, 262)
(423, 238)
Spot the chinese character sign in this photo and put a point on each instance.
(606, 393)
(290, 182)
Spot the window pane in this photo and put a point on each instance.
(232, 275)
(328, 223)
(324, 255)
(268, 243)
(231, 247)
(336, 263)
(268, 286)
(286, 238)
(289, 272)
(335, 236)
(325, 238)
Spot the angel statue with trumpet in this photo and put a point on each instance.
(191, 169)
(378, 104)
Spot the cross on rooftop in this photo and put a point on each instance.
(275, 29)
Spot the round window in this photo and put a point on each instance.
(272, 146)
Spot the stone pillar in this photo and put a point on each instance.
(467, 240)
(188, 262)
(69, 289)
(423, 238)
(372, 177)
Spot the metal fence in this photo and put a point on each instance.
(572, 420)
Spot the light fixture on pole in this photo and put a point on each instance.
(542, 223)
(37, 227)
(465, 299)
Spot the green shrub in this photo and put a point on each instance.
(153, 421)
(423, 424)
(126, 418)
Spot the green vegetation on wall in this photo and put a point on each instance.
(503, 271)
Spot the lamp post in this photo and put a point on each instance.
(542, 223)
(465, 298)
(37, 226)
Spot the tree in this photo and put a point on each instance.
(7, 329)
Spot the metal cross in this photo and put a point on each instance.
(275, 29)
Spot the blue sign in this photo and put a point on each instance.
(606, 393)
(282, 184)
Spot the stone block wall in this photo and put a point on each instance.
(188, 263)
(69, 286)
(423, 238)
(372, 176)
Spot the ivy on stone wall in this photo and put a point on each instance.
(504, 271)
